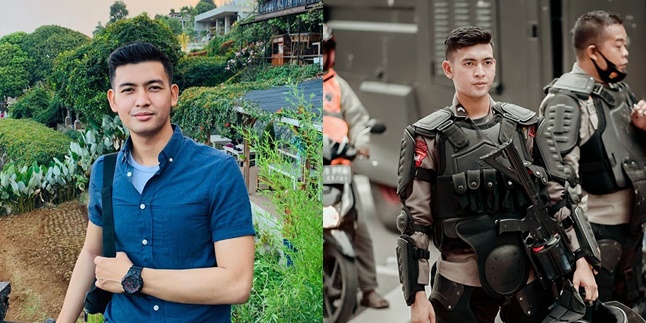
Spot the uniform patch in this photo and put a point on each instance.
(532, 131)
(421, 151)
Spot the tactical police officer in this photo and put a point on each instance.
(494, 252)
(598, 125)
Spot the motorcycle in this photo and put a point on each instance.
(340, 278)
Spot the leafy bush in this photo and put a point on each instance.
(36, 104)
(203, 111)
(23, 188)
(281, 75)
(45, 44)
(80, 77)
(289, 293)
(26, 141)
(200, 71)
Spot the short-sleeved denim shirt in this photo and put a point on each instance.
(196, 198)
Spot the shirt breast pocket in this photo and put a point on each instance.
(184, 235)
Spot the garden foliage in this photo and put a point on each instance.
(26, 186)
(26, 141)
(282, 292)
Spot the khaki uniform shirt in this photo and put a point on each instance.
(458, 265)
(608, 209)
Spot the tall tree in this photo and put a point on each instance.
(211, 2)
(204, 7)
(80, 78)
(172, 23)
(45, 44)
(118, 11)
(99, 28)
(13, 70)
(16, 38)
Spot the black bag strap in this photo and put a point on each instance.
(109, 244)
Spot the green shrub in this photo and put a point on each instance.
(200, 71)
(203, 111)
(26, 141)
(280, 75)
(36, 104)
(73, 134)
(284, 293)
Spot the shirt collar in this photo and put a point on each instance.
(577, 69)
(330, 74)
(458, 110)
(167, 155)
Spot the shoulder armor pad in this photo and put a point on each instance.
(516, 113)
(579, 84)
(435, 121)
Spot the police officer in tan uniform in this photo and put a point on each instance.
(344, 117)
(451, 196)
(598, 125)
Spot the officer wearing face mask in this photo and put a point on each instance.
(599, 127)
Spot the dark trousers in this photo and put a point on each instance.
(466, 304)
(365, 255)
(621, 282)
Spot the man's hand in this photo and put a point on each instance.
(584, 277)
(421, 311)
(638, 116)
(110, 271)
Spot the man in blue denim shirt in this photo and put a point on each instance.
(181, 211)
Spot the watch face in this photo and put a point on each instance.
(132, 283)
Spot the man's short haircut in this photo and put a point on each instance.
(466, 36)
(590, 26)
(137, 52)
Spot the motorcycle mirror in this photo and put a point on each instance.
(376, 126)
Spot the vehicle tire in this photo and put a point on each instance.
(340, 284)
(387, 205)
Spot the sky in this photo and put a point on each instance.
(79, 15)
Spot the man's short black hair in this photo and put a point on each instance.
(590, 26)
(138, 52)
(466, 36)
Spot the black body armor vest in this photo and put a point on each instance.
(467, 187)
(613, 144)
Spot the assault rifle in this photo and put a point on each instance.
(542, 235)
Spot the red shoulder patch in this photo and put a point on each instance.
(532, 131)
(421, 151)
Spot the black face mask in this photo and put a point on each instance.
(607, 75)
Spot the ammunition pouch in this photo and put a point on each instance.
(407, 260)
(480, 191)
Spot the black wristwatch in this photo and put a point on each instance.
(132, 282)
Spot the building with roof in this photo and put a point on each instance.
(220, 19)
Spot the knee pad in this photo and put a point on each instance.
(611, 251)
